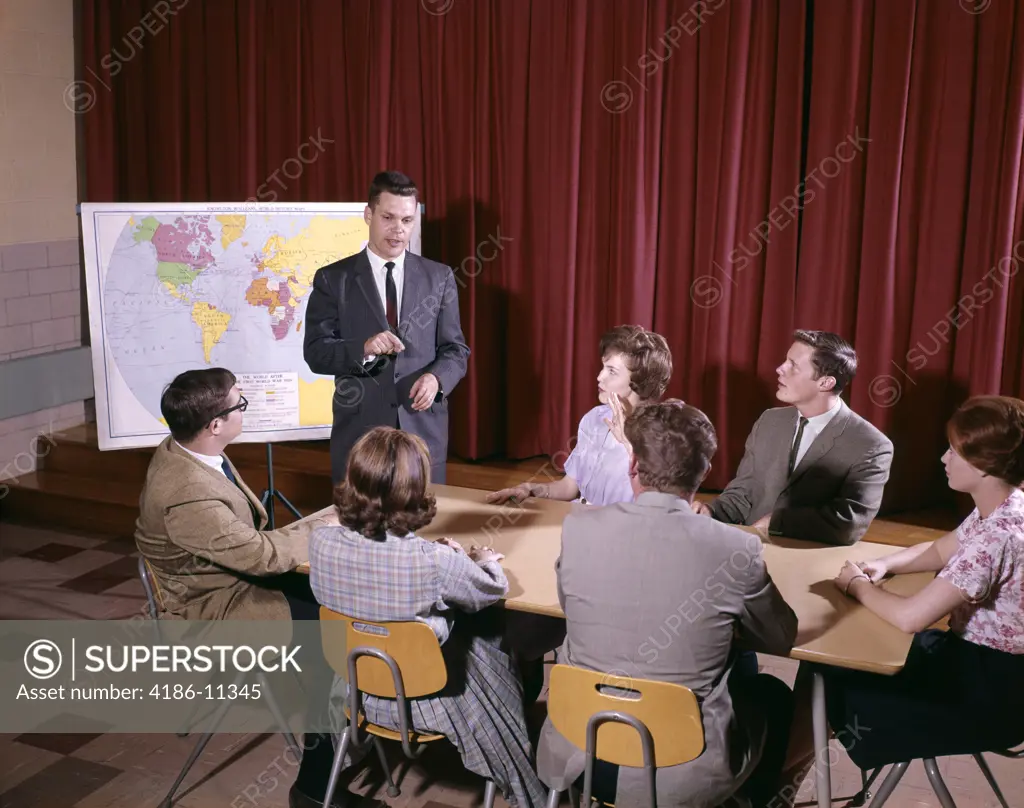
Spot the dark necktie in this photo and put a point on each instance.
(796, 444)
(392, 296)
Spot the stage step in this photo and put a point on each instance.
(78, 487)
(67, 501)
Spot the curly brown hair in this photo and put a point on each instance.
(673, 444)
(988, 432)
(647, 356)
(385, 485)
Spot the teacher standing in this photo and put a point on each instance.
(385, 323)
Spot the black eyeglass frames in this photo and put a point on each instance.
(241, 406)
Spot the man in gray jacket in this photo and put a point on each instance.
(813, 470)
(650, 590)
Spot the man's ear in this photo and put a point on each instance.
(826, 383)
(367, 214)
(634, 467)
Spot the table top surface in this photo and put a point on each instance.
(834, 629)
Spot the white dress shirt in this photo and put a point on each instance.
(812, 429)
(214, 462)
(380, 277)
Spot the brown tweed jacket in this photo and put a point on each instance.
(205, 541)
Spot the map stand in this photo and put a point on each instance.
(268, 496)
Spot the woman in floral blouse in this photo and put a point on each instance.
(960, 690)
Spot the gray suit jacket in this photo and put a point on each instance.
(836, 488)
(651, 590)
(345, 310)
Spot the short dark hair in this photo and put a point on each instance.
(393, 182)
(195, 397)
(385, 485)
(833, 356)
(647, 356)
(988, 432)
(673, 444)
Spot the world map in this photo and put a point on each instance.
(184, 290)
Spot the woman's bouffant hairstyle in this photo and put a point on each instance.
(385, 485)
(988, 432)
(647, 356)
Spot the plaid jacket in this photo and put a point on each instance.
(399, 578)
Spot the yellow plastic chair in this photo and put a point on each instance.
(657, 725)
(401, 661)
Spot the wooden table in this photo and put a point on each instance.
(833, 629)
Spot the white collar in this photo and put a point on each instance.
(377, 263)
(818, 422)
(213, 461)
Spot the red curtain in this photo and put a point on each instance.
(721, 171)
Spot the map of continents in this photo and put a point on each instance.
(184, 291)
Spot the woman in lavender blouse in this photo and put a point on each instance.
(636, 368)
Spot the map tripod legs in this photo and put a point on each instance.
(272, 493)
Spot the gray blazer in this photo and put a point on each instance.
(836, 488)
(344, 311)
(651, 590)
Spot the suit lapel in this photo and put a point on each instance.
(259, 512)
(368, 286)
(240, 492)
(822, 444)
(414, 292)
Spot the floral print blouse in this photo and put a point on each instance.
(988, 569)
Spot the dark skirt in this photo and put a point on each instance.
(953, 697)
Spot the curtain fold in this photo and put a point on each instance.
(722, 172)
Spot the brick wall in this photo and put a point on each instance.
(40, 298)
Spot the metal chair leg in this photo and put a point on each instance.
(218, 716)
(983, 765)
(196, 752)
(339, 756)
(890, 782)
(938, 784)
(553, 797)
(489, 792)
(574, 797)
(393, 790)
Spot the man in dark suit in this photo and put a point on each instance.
(385, 323)
(814, 470)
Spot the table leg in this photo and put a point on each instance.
(822, 765)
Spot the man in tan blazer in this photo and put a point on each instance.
(650, 590)
(813, 470)
(202, 530)
(200, 526)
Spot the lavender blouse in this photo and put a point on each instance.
(599, 463)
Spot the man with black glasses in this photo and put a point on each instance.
(201, 527)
